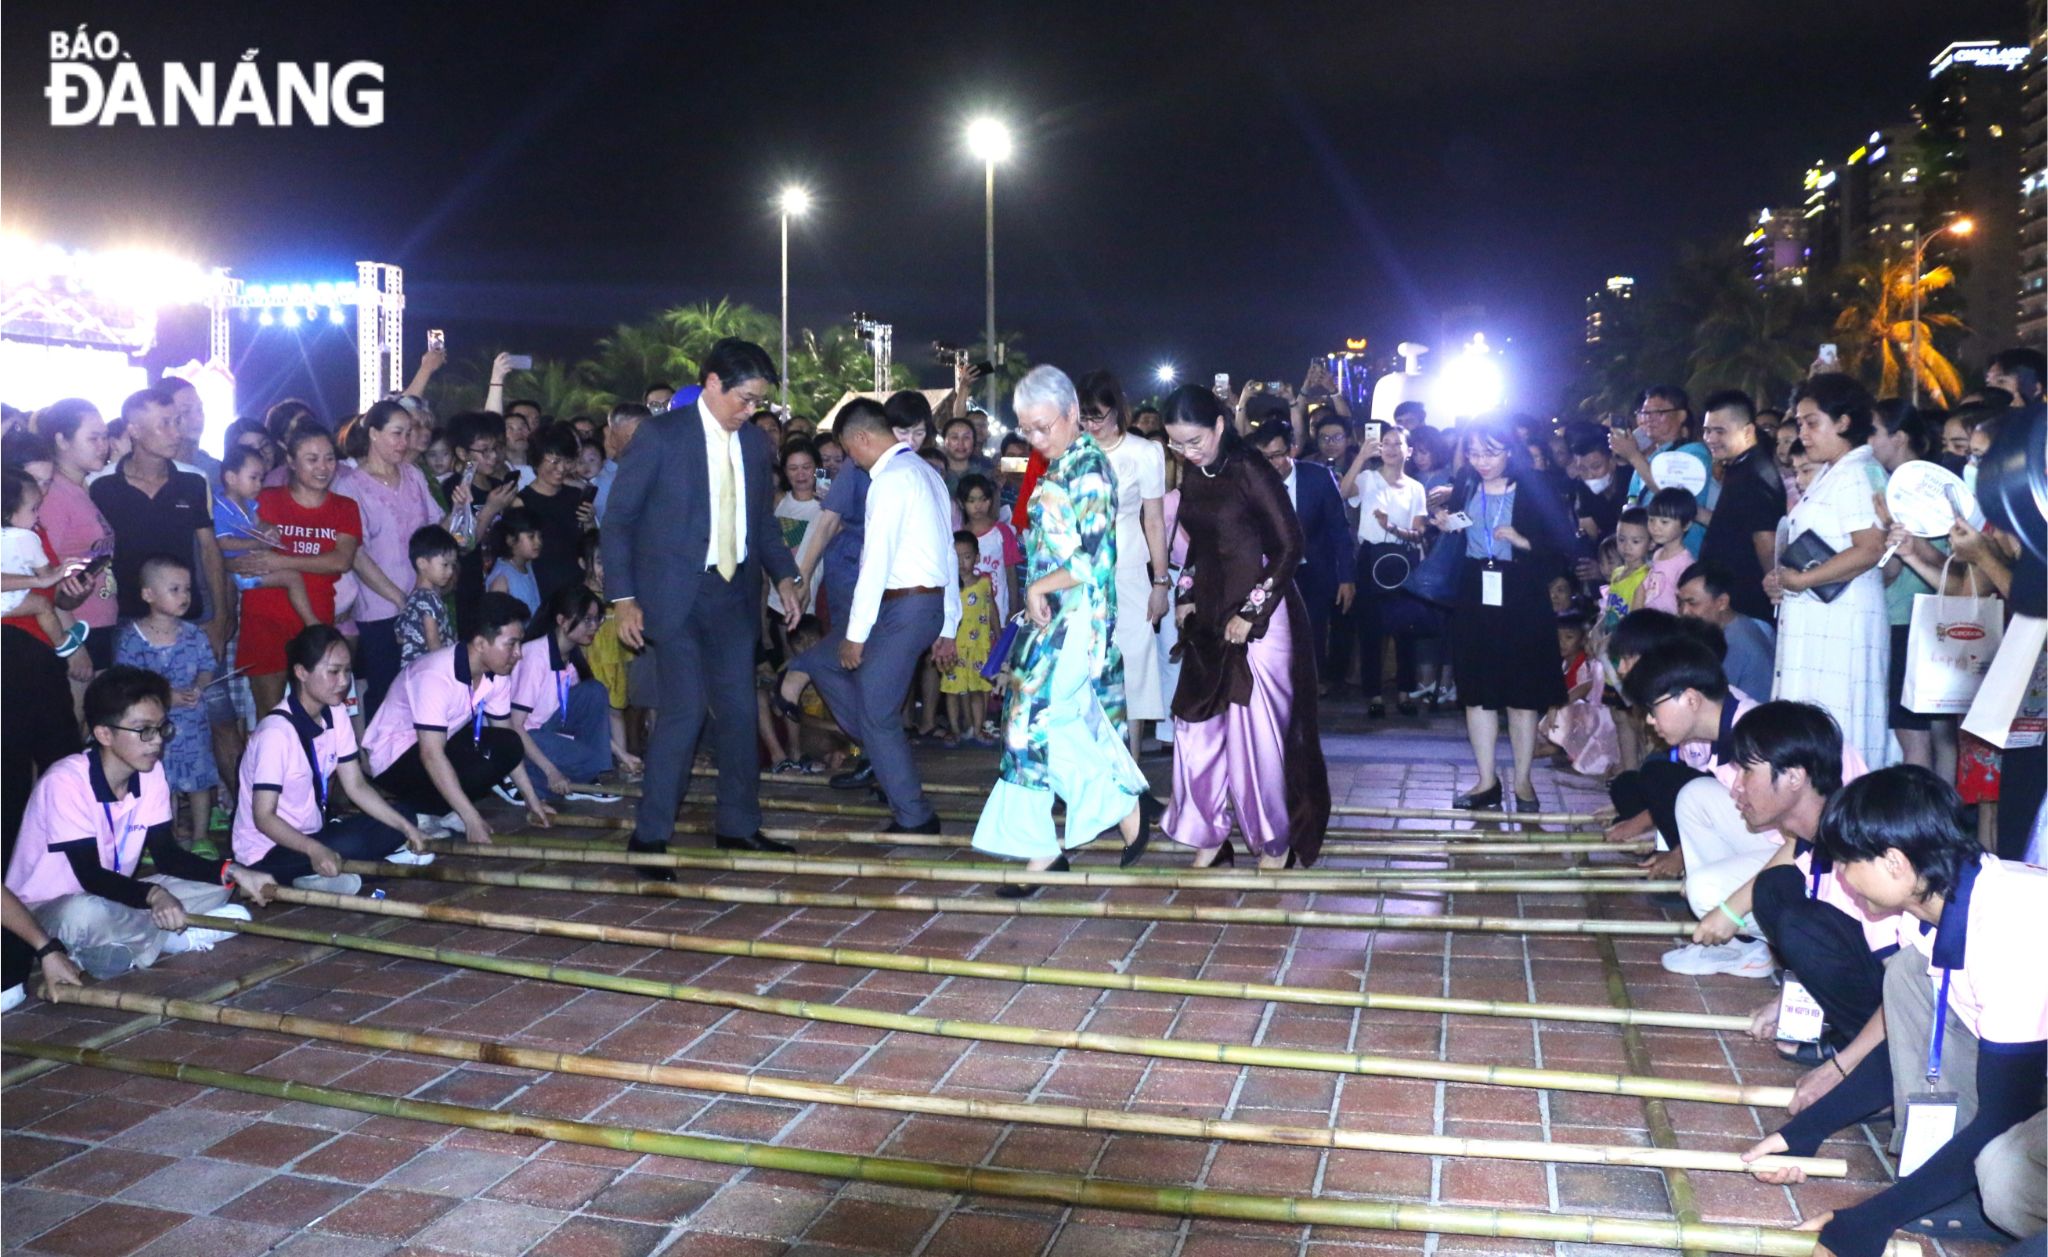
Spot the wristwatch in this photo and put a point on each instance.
(55, 944)
(1161, 581)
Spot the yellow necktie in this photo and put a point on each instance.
(724, 526)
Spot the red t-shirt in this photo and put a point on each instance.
(305, 532)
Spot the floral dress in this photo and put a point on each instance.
(977, 629)
(188, 756)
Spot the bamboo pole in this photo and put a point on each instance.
(500, 1052)
(1013, 1184)
(1087, 1040)
(631, 791)
(1504, 882)
(1377, 846)
(907, 962)
(990, 906)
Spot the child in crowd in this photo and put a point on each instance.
(424, 622)
(1001, 558)
(1671, 513)
(1571, 647)
(1804, 469)
(439, 457)
(966, 690)
(518, 546)
(166, 643)
(119, 443)
(607, 657)
(1624, 592)
(589, 462)
(786, 728)
(239, 530)
(22, 566)
(1561, 594)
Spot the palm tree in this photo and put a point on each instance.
(1759, 340)
(560, 388)
(1876, 330)
(635, 356)
(694, 329)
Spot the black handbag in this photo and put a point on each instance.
(1807, 552)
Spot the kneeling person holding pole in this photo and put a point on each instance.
(87, 825)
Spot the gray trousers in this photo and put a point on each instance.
(2012, 1175)
(108, 938)
(868, 701)
(705, 669)
(1908, 1023)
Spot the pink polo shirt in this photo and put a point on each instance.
(75, 528)
(434, 691)
(292, 755)
(1999, 987)
(73, 804)
(390, 517)
(541, 681)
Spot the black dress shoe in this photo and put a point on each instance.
(650, 873)
(1225, 859)
(1376, 709)
(1526, 803)
(930, 826)
(1150, 811)
(1478, 800)
(1409, 709)
(753, 842)
(1023, 890)
(857, 779)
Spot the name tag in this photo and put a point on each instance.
(1800, 1019)
(1490, 584)
(1930, 1123)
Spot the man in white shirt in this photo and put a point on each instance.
(906, 599)
(1392, 508)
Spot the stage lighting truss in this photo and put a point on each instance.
(377, 295)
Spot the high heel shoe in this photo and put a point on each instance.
(1526, 803)
(1150, 810)
(1024, 890)
(1478, 800)
(1226, 858)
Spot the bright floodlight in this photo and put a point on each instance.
(1165, 374)
(988, 140)
(794, 201)
(1963, 226)
(1471, 383)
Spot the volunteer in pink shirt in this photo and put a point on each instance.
(563, 721)
(427, 747)
(88, 823)
(1965, 1017)
(300, 750)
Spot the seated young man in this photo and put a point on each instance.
(1643, 793)
(427, 746)
(1789, 762)
(89, 821)
(1965, 1015)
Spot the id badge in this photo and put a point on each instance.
(1800, 1019)
(1490, 587)
(1930, 1123)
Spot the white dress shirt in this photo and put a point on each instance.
(908, 540)
(1402, 501)
(718, 443)
(1292, 499)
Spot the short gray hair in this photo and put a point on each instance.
(1045, 385)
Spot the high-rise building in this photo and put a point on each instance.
(1822, 215)
(1885, 194)
(1777, 247)
(1608, 307)
(2032, 217)
(1966, 164)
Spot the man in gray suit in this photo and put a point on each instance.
(688, 530)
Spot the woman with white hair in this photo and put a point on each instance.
(1064, 717)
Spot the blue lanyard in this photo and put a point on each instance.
(1940, 1029)
(1486, 520)
(476, 726)
(120, 836)
(562, 694)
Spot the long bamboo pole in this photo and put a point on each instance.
(1014, 1184)
(499, 1052)
(991, 906)
(1087, 1040)
(908, 962)
(630, 791)
(1389, 844)
(1504, 882)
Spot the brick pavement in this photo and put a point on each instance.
(104, 1165)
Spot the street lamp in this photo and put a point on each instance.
(1959, 227)
(989, 140)
(793, 202)
(1165, 374)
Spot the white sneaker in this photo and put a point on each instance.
(339, 884)
(438, 826)
(1750, 959)
(194, 938)
(579, 796)
(406, 855)
(13, 997)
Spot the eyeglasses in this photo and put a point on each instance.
(151, 733)
(1651, 412)
(753, 401)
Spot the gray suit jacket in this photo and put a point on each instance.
(657, 522)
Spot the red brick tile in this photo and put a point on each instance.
(390, 1215)
(607, 1237)
(1056, 1151)
(1263, 1168)
(1376, 1174)
(24, 1155)
(651, 1198)
(95, 1122)
(744, 1119)
(1153, 1159)
(217, 1237)
(101, 1171)
(288, 1201)
(874, 1224)
(268, 1143)
(109, 1230)
(553, 1184)
(966, 1234)
(1509, 1184)
(355, 1158)
(831, 1128)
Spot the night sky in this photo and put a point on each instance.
(1231, 187)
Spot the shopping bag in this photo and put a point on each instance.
(2012, 705)
(1949, 648)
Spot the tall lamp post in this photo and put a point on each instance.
(989, 140)
(793, 202)
(1959, 227)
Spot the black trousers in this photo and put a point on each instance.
(36, 728)
(1369, 616)
(1824, 948)
(1653, 788)
(478, 764)
(357, 837)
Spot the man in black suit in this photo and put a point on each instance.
(1329, 549)
(688, 530)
